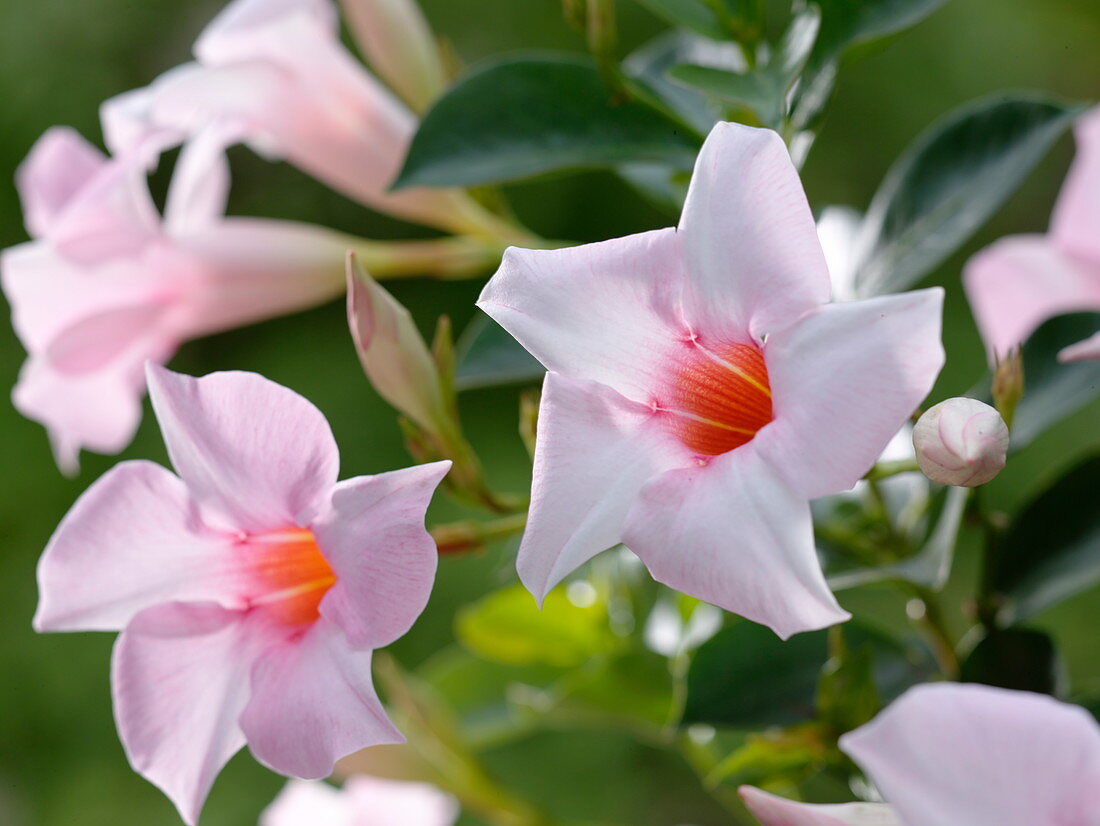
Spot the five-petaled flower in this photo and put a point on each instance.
(250, 590)
(701, 390)
(963, 755)
(1019, 282)
(364, 801)
(107, 283)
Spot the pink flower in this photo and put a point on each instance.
(701, 391)
(250, 589)
(364, 801)
(961, 755)
(1017, 283)
(276, 74)
(106, 284)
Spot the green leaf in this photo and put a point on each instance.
(1053, 391)
(1052, 549)
(763, 91)
(519, 117)
(847, 696)
(508, 627)
(636, 685)
(846, 23)
(488, 356)
(949, 181)
(693, 14)
(746, 677)
(1019, 658)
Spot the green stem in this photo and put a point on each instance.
(462, 256)
(932, 622)
(884, 470)
(471, 535)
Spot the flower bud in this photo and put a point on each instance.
(961, 442)
(392, 352)
(397, 41)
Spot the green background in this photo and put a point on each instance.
(60, 762)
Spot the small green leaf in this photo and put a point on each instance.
(636, 685)
(1019, 658)
(1052, 549)
(774, 757)
(508, 627)
(1052, 390)
(756, 91)
(693, 14)
(949, 181)
(520, 117)
(488, 356)
(746, 677)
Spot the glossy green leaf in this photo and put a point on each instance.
(508, 627)
(1018, 658)
(1052, 390)
(1052, 549)
(948, 183)
(520, 117)
(488, 356)
(636, 685)
(746, 677)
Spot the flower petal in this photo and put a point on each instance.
(602, 311)
(753, 256)
(1085, 350)
(595, 451)
(382, 802)
(956, 755)
(259, 453)
(134, 539)
(733, 534)
(1075, 223)
(312, 703)
(771, 810)
(1019, 282)
(199, 189)
(844, 379)
(384, 559)
(309, 803)
(58, 166)
(179, 677)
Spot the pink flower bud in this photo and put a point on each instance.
(961, 442)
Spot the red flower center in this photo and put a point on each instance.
(719, 397)
(291, 574)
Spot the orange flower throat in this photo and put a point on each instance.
(720, 397)
(290, 574)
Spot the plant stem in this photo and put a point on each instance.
(471, 535)
(884, 470)
(932, 622)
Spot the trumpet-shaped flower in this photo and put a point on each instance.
(250, 589)
(964, 755)
(1020, 281)
(276, 75)
(106, 284)
(701, 391)
(364, 801)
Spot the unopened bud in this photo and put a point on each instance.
(961, 442)
(397, 41)
(1008, 384)
(392, 352)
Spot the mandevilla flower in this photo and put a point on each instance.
(961, 442)
(364, 801)
(701, 391)
(107, 284)
(1019, 282)
(277, 76)
(964, 755)
(250, 589)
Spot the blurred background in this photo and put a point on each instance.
(60, 761)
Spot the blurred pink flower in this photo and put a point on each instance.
(701, 391)
(946, 754)
(364, 801)
(106, 284)
(1018, 282)
(250, 589)
(276, 74)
